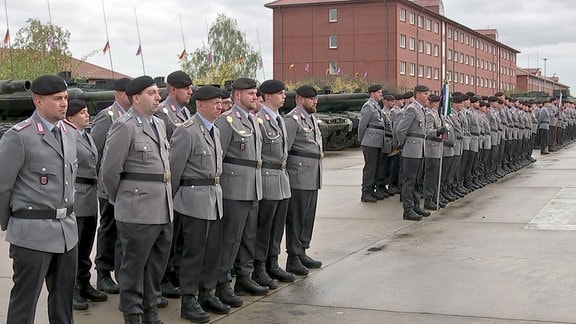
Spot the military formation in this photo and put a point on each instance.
(177, 203)
(415, 146)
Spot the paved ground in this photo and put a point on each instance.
(503, 254)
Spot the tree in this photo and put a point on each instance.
(227, 55)
(37, 49)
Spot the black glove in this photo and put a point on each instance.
(440, 131)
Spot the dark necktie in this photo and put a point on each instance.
(211, 132)
(279, 121)
(85, 135)
(185, 113)
(58, 135)
(155, 131)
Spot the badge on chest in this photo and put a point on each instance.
(43, 180)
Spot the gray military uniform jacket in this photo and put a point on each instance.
(474, 127)
(172, 114)
(411, 131)
(449, 138)
(132, 147)
(304, 138)
(433, 143)
(275, 181)
(194, 155)
(241, 143)
(457, 125)
(38, 174)
(544, 118)
(86, 197)
(371, 126)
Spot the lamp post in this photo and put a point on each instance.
(545, 59)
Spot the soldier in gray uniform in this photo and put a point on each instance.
(371, 137)
(242, 189)
(276, 188)
(433, 150)
(173, 110)
(411, 131)
(38, 158)
(85, 203)
(543, 129)
(136, 175)
(107, 253)
(383, 176)
(196, 164)
(305, 171)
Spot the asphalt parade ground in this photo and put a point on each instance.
(505, 253)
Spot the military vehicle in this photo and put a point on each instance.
(337, 113)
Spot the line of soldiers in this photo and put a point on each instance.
(185, 200)
(411, 148)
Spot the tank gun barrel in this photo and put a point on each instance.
(11, 86)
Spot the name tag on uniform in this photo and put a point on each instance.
(61, 213)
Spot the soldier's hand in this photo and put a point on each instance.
(440, 131)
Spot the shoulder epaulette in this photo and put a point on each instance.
(69, 123)
(226, 113)
(23, 124)
(188, 123)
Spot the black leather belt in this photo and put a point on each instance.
(504, 124)
(475, 133)
(162, 177)
(200, 182)
(316, 156)
(459, 137)
(448, 145)
(59, 213)
(376, 126)
(545, 122)
(274, 166)
(414, 135)
(435, 139)
(388, 135)
(494, 129)
(248, 163)
(88, 181)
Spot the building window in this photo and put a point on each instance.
(450, 33)
(466, 79)
(461, 37)
(333, 15)
(436, 73)
(456, 35)
(420, 71)
(412, 69)
(471, 79)
(402, 14)
(420, 21)
(472, 41)
(402, 67)
(449, 55)
(428, 48)
(412, 43)
(436, 27)
(455, 79)
(462, 58)
(411, 18)
(478, 62)
(421, 46)
(467, 59)
(402, 41)
(456, 56)
(461, 77)
(333, 41)
(467, 40)
(428, 24)
(429, 72)
(471, 60)
(436, 50)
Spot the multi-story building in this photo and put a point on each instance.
(532, 80)
(398, 42)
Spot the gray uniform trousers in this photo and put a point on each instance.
(301, 216)
(271, 220)
(431, 173)
(371, 168)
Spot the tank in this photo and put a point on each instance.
(11, 86)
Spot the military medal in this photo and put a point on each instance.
(242, 146)
(44, 180)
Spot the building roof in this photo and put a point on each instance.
(83, 69)
(535, 73)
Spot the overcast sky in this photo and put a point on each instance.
(537, 28)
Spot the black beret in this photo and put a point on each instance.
(408, 95)
(552, 99)
(492, 99)
(137, 85)
(456, 94)
(206, 93)
(500, 101)
(470, 94)
(456, 99)
(272, 86)
(74, 106)
(388, 97)
(434, 98)
(179, 79)
(484, 104)
(398, 96)
(48, 84)
(306, 91)
(120, 84)
(421, 88)
(225, 94)
(243, 83)
(484, 97)
(474, 99)
(498, 94)
(464, 97)
(374, 88)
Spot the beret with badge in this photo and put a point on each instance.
(74, 106)
(47, 85)
(272, 86)
(374, 88)
(306, 91)
(421, 88)
(137, 85)
(120, 84)
(243, 84)
(408, 95)
(388, 97)
(179, 79)
(434, 98)
(207, 93)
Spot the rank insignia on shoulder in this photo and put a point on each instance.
(267, 116)
(110, 112)
(241, 131)
(295, 117)
(139, 120)
(238, 114)
(188, 123)
(165, 110)
(69, 124)
(229, 119)
(173, 108)
(260, 121)
(21, 125)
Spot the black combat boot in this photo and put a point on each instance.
(105, 282)
(78, 303)
(409, 214)
(294, 265)
(132, 318)
(261, 276)
(191, 310)
(150, 316)
(225, 293)
(308, 262)
(278, 273)
(88, 292)
(420, 211)
(367, 197)
(245, 285)
(430, 205)
(211, 303)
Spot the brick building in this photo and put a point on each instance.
(399, 42)
(532, 80)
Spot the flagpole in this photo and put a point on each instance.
(260, 50)
(443, 113)
(51, 41)
(9, 40)
(108, 41)
(139, 42)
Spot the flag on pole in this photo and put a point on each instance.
(446, 107)
(365, 75)
(7, 37)
(307, 67)
(291, 66)
(560, 100)
(50, 42)
(106, 47)
(209, 58)
(139, 51)
(260, 63)
(338, 71)
(182, 55)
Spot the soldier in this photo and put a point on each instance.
(196, 164)
(433, 150)
(107, 253)
(411, 132)
(85, 204)
(543, 129)
(242, 188)
(136, 175)
(394, 159)
(383, 177)
(371, 137)
(38, 157)
(456, 119)
(226, 100)
(273, 207)
(305, 171)
(173, 110)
